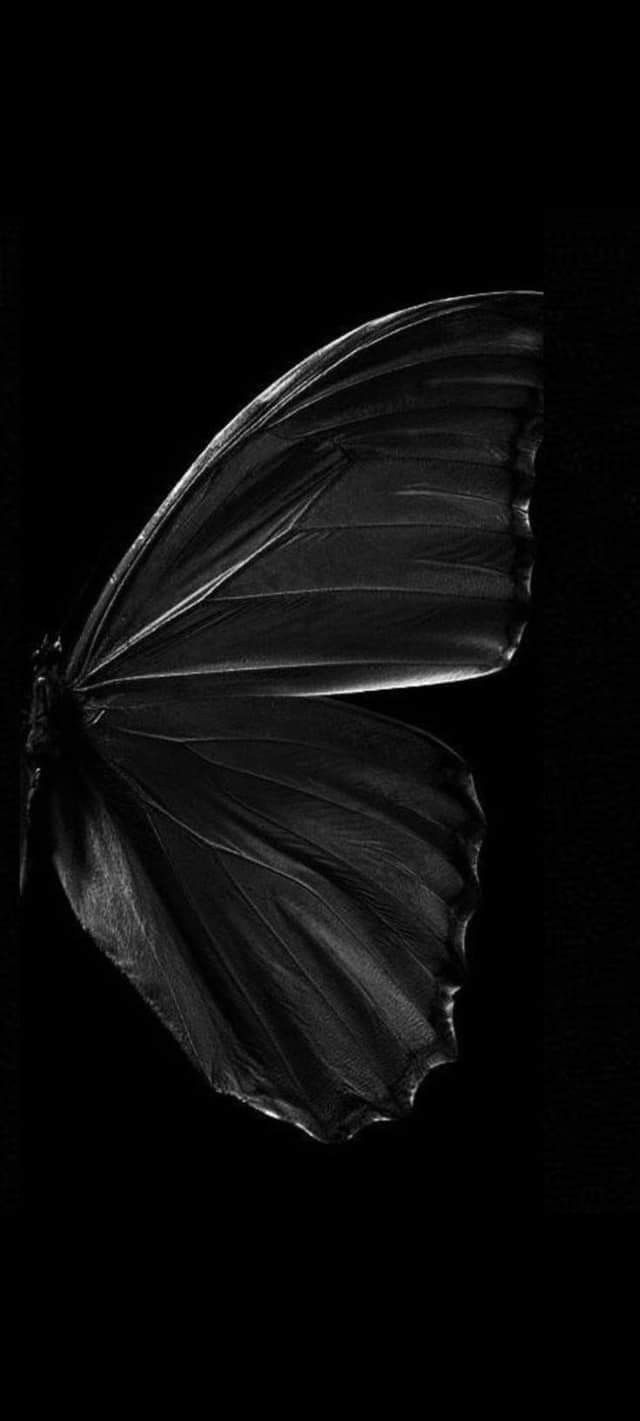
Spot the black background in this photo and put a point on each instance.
(589, 724)
(139, 345)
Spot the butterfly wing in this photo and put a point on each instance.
(287, 879)
(363, 524)
(290, 894)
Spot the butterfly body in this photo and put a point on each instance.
(285, 878)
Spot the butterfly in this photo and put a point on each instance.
(286, 878)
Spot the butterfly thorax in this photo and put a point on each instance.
(50, 707)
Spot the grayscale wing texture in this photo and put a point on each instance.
(286, 878)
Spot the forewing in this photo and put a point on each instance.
(363, 524)
(290, 893)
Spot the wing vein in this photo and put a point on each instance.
(331, 854)
(219, 848)
(236, 670)
(299, 966)
(324, 799)
(227, 965)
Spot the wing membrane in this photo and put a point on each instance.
(362, 525)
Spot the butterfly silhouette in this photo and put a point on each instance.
(286, 878)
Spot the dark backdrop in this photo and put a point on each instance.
(140, 345)
(588, 727)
